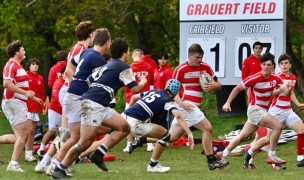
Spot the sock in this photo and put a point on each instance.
(62, 167)
(46, 160)
(101, 150)
(144, 140)
(13, 163)
(210, 157)
(226, 152)
(251, 161)
(28, 153)
(42, 147)
(56, 161)
(153, 162)
(300, 146)
(250, 152)
(271, 153)
(129, 143)
(300, 157)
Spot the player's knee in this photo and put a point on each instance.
(126, 128)
(165, 139)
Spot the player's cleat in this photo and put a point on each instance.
(135, 144)
(300, 163)
(274, 160)
(59, 174)
(97, 159)
(278, 167)
(157, 168)
(14, 168)
(212, 165)
(247, 158)
(249, 166)
(40, 169)
(30, 159)
(40, 154)
(150, 147)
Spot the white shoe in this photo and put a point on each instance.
(150, 147)
(39, 168)
(157, 168)
(30, 159)
(14, 168)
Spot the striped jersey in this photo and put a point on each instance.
(281, 100)
(76, 50)
(15, 72)
(189, 78)
(261, 88)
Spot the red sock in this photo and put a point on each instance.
(300, 144)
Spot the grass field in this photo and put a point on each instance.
(185, 164)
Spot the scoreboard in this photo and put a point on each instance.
(227, 29)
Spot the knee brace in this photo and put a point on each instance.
(165, 139)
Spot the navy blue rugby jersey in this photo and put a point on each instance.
(88, 62)
(152, 102)
(107, 80)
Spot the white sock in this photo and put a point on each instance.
(13, 163)
(46, 160)
(251, 161)
(226, 152)
(300, 157)
(271, 153)
(42, 147)
(250, 152)
(56, 161)
(28, 153)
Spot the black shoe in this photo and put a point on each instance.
(97, 159)
(300, 163)
(138, 142)
(247, 158)
(59, 174)
(221, 163)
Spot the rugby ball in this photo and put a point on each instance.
(204, 78)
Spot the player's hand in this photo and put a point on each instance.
(37, 100)
(191, 141)
(301, 106)
(289, 85)
(188, 107)
(208, 87)
(226, 107)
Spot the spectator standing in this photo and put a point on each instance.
(36, 84)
